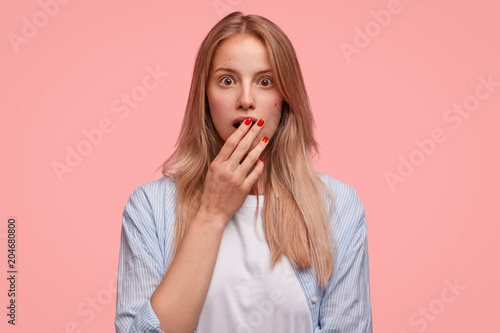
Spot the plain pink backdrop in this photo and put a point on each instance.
(435, 225)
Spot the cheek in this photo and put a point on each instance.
(275, 110)
(217, 104)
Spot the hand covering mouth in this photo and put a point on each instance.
(238, 121)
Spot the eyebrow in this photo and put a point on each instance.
(230, 70)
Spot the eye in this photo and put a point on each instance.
(225, 80)
(266, 82)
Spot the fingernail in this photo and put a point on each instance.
(260, 122)
(265, 139)
(261, 159)
(248, 121)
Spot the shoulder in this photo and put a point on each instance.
(154, 190)
(150, 210)
(347, 213)
(155, 199)
(346, 197)
(335, 184)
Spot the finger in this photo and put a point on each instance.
(233, 141)
(254, 175)
(246, 142)
(253, 155)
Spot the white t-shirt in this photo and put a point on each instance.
(246, 294)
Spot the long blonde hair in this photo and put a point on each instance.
(294, 214)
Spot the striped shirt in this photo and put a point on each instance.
(146, 244)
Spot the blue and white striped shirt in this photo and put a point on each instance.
(146, 244)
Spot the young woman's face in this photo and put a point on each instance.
(241, 84)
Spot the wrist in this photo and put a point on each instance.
(206, 218)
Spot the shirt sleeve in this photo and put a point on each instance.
(139, 267)
(346, 304)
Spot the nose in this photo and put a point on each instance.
(246, 99)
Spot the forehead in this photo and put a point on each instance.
(243, 51)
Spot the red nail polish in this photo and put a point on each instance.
(265, 139)
(260, 122)
(248, 121)
(261, 159)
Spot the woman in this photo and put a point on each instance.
(241, 234)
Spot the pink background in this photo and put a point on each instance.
(436, 224)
